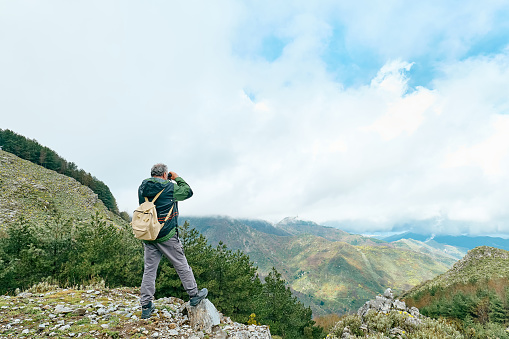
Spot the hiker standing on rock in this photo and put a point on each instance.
(167, 242)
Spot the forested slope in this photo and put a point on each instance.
(34, 152)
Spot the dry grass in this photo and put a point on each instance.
(327, 321)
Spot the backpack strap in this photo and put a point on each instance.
(157, 196)
(169, 213)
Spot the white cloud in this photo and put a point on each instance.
(138, 84)
(437, 28)
(489, 154)
(406, 112)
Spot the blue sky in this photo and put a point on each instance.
(370, 114)
(481, 29)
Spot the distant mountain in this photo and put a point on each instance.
(406, 235)
(462, 241)
(434, 249)
(329, 269)
(264, 226)
(294, 226)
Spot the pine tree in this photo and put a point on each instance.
(282, 312)
(497, 311)
(233, 281)
(108, 252)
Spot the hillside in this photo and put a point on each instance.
(468, 301)
(474, 294)
(386, 317)
(37, 194)
(330, 270)
(38, 154)
(481, 266)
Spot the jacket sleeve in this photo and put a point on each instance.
(182, 191)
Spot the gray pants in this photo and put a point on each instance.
(172, 249)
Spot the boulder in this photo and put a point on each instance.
(202, 317)
(62, 309)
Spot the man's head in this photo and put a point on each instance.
(159, 170)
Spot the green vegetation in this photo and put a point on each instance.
(72, 253)
(394, 325)
(32, 151)
(474, 294)
(479, 310)
(69, 253)
(40, 195)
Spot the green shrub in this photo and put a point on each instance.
(475, 330)
(353, 322)
(383, 325)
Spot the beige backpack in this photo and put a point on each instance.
(145, 224)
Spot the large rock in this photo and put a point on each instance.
(386, 304)
(204, 316)
(62, 309)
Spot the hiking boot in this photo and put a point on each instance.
(195, 299)
(146, 310)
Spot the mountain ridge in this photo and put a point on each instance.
(329, 269)
(461, 241)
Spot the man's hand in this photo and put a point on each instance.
(172, 175)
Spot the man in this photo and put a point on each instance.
(167, 242)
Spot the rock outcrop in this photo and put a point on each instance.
(204, 316)
(386, 304)
(386, 317)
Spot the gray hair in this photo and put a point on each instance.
(158, 170)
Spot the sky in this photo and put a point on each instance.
(365, 115)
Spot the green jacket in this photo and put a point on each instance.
(172, 193)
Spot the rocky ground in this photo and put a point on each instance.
(48, 311)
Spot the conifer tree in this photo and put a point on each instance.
(282, 312)
(233, 282)
(497, 311)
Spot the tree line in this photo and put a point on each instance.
(480, 309)
(71, 252)
(32, 151)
